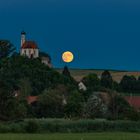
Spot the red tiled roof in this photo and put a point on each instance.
(31, 99)
(29, 45)
(134, 101)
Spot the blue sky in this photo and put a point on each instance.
(102, 34)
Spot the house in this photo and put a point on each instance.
(82, 86)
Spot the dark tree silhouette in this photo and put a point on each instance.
(129, 84)
(6, 48)
(66, 72)
(106, 79)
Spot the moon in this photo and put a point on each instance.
(67, 56)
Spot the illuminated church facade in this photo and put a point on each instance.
(28, 48)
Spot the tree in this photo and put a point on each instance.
(10, 106)
(71, 81)
(119, 108)
(138, 85)
(106, 79)
(50, 104)
(6, 48)
(92, 82)
(66, 72)
(25, 87)
(115, 86)
(74, 106)
(128, 84)
(95, 107)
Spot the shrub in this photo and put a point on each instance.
(32, 126)
(17, 127)
(69, 126)
(4, 128)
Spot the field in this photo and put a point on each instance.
(78, 74)
(86, 136)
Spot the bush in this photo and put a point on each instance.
(87, 125)
(16, 127)
(4, 128)
(69, 126)
(32, 126)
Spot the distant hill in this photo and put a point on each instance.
(117, 75)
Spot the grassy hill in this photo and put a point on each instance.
(78, 74)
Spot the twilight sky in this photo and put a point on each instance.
(100, 33)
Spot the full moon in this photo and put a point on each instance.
(67, 57)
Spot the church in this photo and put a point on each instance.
(30, 49)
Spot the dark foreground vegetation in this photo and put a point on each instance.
(68, 126)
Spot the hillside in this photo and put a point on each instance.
(78, 74)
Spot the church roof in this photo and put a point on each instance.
(29, 45)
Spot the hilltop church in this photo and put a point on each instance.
(28, 48)
(31, 50)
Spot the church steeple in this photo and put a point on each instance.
(23, 38)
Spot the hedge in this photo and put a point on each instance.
(68, 126)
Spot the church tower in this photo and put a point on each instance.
(23, 38)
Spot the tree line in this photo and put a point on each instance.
(128, 84)
(58, 94)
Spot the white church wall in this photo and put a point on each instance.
(29, 52)
(36, 53)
